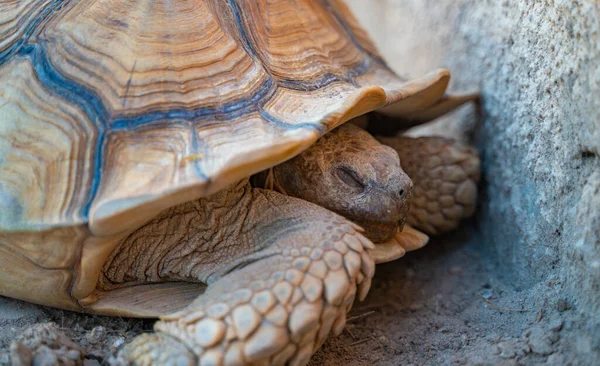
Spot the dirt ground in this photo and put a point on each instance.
(447, 304)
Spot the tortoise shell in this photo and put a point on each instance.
(113, 111)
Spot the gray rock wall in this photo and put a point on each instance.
(537, 66)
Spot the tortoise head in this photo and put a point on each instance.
(349, 172)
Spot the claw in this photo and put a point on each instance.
(339, 324)
(363, 288)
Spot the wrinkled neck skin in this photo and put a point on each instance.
(350, 173)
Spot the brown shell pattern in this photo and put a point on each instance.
(111, 111)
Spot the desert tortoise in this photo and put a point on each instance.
(129, 131)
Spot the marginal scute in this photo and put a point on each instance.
(29, 281)
(94, 253)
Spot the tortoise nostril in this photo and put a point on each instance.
(401, 192)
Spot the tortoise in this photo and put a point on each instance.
(130, 131)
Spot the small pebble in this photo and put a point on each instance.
(20, 354)
(96, 335)
(44, 356)
(119, 342)
(512, 348)
(556, 325)
(487, 293)
(563, 305)
(540, 341)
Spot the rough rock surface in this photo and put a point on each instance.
(537, 66)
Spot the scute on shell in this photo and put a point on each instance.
(112, 111)
(115, 110)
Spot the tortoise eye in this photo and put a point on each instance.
(350, 177)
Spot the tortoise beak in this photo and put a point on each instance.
(405, 240)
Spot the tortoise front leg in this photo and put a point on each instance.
(445, 174)
(274, 305)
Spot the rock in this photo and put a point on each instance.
(540, 340)
(563, 305)
(512, 348)
(118, 342)
(44, 356)
(96, 335)
(20, 354)
(556, 324)
(487, 293)
(49, 345)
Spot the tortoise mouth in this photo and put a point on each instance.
(379, 232)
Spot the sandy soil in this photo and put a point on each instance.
(447, 304)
